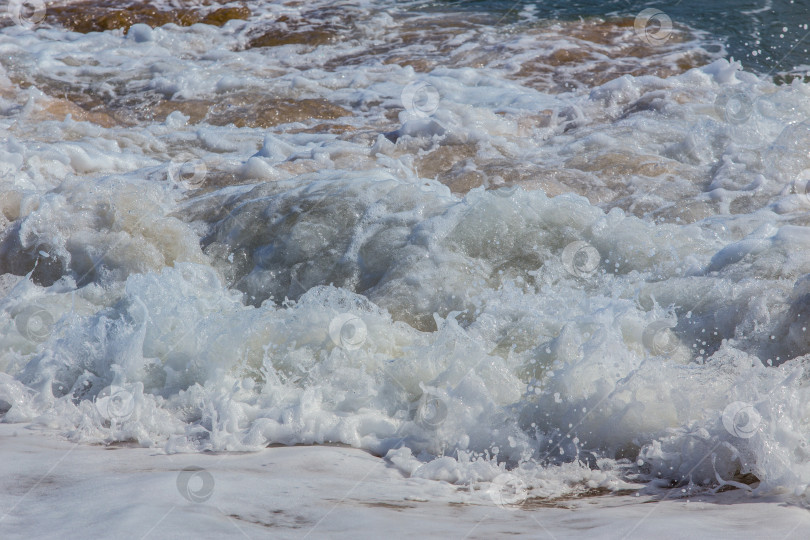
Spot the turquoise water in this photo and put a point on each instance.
(767, 36)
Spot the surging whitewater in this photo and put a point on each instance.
(580, 280)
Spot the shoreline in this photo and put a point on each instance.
(52, 488)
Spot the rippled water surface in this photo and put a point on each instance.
(556, 248)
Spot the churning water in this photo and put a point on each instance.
(556, 246)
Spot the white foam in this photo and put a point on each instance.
(581, 341)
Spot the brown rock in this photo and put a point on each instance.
(101, 15)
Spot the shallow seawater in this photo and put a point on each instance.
(559, 249)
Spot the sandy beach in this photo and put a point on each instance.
(55, 489)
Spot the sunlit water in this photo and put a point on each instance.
(567, 244)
